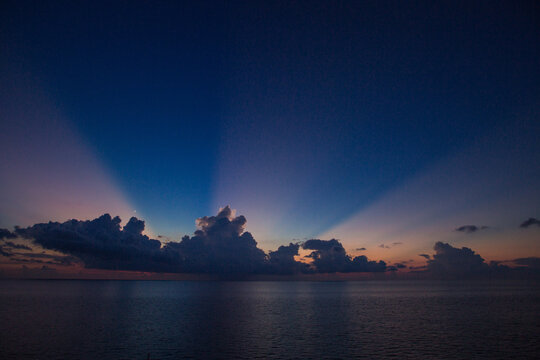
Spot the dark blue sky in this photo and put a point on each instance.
(298, 114)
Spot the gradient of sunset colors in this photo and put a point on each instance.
(313, 120)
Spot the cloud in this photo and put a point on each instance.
(220, 245)
(361, 249)
(384, 246)
(362, 264)
(530, 222)
(101, 243)
(531, 262)
(64, 260)
(6, 234)
(282, 260)
(468, 229)
(12, 245)
(6, 247)
(329, 256)
(454, 261)
(450, 262)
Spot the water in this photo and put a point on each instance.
(52, 319)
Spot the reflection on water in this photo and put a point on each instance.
(51, 319)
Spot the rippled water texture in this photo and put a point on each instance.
(51, 319)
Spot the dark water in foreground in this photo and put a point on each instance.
(129, 319)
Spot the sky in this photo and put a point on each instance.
(383, 124)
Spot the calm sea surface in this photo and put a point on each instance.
(52, 319)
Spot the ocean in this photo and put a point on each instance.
(86, 319)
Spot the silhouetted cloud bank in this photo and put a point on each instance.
(459, 263)
(220, 245)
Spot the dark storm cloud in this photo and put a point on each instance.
(427, 256)
(400, 266)
(530, 222)
(468, 229)
(220, 245)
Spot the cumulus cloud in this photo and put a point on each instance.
(282, 260)
(530, 222)
(100, 243)
(220, 245)
(455, 262)
(329, 256)
(469, 229)
(450, 262)
(6, 234)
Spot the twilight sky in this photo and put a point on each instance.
(387, 125)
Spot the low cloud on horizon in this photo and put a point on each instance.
(219, 246)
